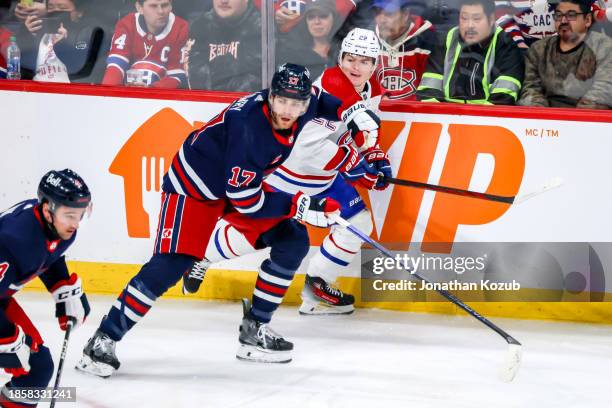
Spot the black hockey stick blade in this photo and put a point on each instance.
(513, 358)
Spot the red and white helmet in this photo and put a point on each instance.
(360, 41)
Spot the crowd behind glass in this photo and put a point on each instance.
(532, 53)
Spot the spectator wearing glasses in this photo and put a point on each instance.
(573, 68)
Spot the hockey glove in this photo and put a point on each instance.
(364, 175)
(70, 301)
(314, 211)
(359, 118)
(379, 159)
(345, 159)
(15, 352)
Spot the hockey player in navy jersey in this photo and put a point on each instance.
(322, 164)
(220, 168)
(34, 234)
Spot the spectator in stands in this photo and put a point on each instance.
(309, 44)
(5, 37)
(572, 69)
(288, 13)
(529, 21)
(70, 51)
(226, 54)
(406, 41)
(478, 63)
(147, 48)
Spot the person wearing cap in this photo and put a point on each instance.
(477, 63)
(573, 68)
(309, 44)
(34, 234)
(406, 41)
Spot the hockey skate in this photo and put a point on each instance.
(260, 343)
(320, 298)
(99, 356)
(192, 279)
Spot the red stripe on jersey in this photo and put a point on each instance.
(227, 227)
(303, 176)
(269, 288)
(331, 238)
(248, 202)
(216, 120)
(191, 190)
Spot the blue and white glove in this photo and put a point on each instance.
(379, 159)
(364, 175)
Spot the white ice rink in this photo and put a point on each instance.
(182, 355)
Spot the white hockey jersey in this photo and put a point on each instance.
(317, 147)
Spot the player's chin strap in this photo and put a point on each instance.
(513, 358)
(50, 230)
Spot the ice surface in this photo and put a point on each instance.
(182, 355)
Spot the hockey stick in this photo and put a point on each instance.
(513, 359)
(555, 182)
(60, 364)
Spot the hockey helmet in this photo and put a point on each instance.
(360, 41)
(63, 187)
(291, 81)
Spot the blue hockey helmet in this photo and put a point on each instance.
(292, 81)
(63, 187)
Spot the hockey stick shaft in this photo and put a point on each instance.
(451, 190)
(453, 299)
(60, 364)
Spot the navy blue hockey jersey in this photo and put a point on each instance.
(231, 155)
(26, 251)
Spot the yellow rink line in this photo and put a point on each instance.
(232, 285)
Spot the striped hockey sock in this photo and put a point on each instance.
(131, 305)
(272, 284)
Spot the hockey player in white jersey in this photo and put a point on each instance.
(322, 163)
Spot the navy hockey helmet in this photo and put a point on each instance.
(292, 81)
(63, 187)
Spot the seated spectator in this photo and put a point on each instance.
(309, 44)
(478, 63)
(526, 21)
(529, 21)
(226, 54)
(148, 45)
(63, 46)
(572, 69)
(406, 41)
(5, 39)
(288, 13)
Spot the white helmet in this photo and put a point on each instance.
(360, 41)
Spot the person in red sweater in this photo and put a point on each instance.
(149, 44)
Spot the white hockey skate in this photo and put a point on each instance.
(320, 298)
(259, 343)
(99, 356)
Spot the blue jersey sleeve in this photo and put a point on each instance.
(57, 271)
(245, 165)
(8, 275)
(328, 106)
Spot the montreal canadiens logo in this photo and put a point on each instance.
(394, 79)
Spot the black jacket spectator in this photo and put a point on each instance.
(226, 54)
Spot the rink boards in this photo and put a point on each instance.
(122, 141)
